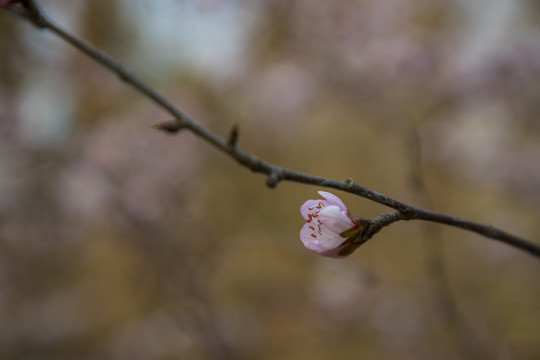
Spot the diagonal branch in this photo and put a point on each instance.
(31, 11)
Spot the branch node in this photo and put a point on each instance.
(234, 135)
(170, 127)
(274, 178)
(349, 182)
(492, 231)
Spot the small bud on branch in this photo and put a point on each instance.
(349, 182)
(171, 127)
(234, 135)
(273, 179)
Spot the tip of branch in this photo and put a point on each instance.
(170, 127)
(234, 135)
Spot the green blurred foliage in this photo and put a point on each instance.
(119, 242)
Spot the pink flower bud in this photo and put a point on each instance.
(326, 221)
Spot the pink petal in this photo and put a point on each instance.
(310, 242)
(334, 219)
(304, 209)
(333, 200)
(323, 241)
(330, 242)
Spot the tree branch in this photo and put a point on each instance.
(31, 11)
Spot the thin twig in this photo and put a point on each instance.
(31, 11)
(447, 310)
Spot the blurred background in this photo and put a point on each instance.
(121, 242)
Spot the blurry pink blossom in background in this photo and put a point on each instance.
(326, 222)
